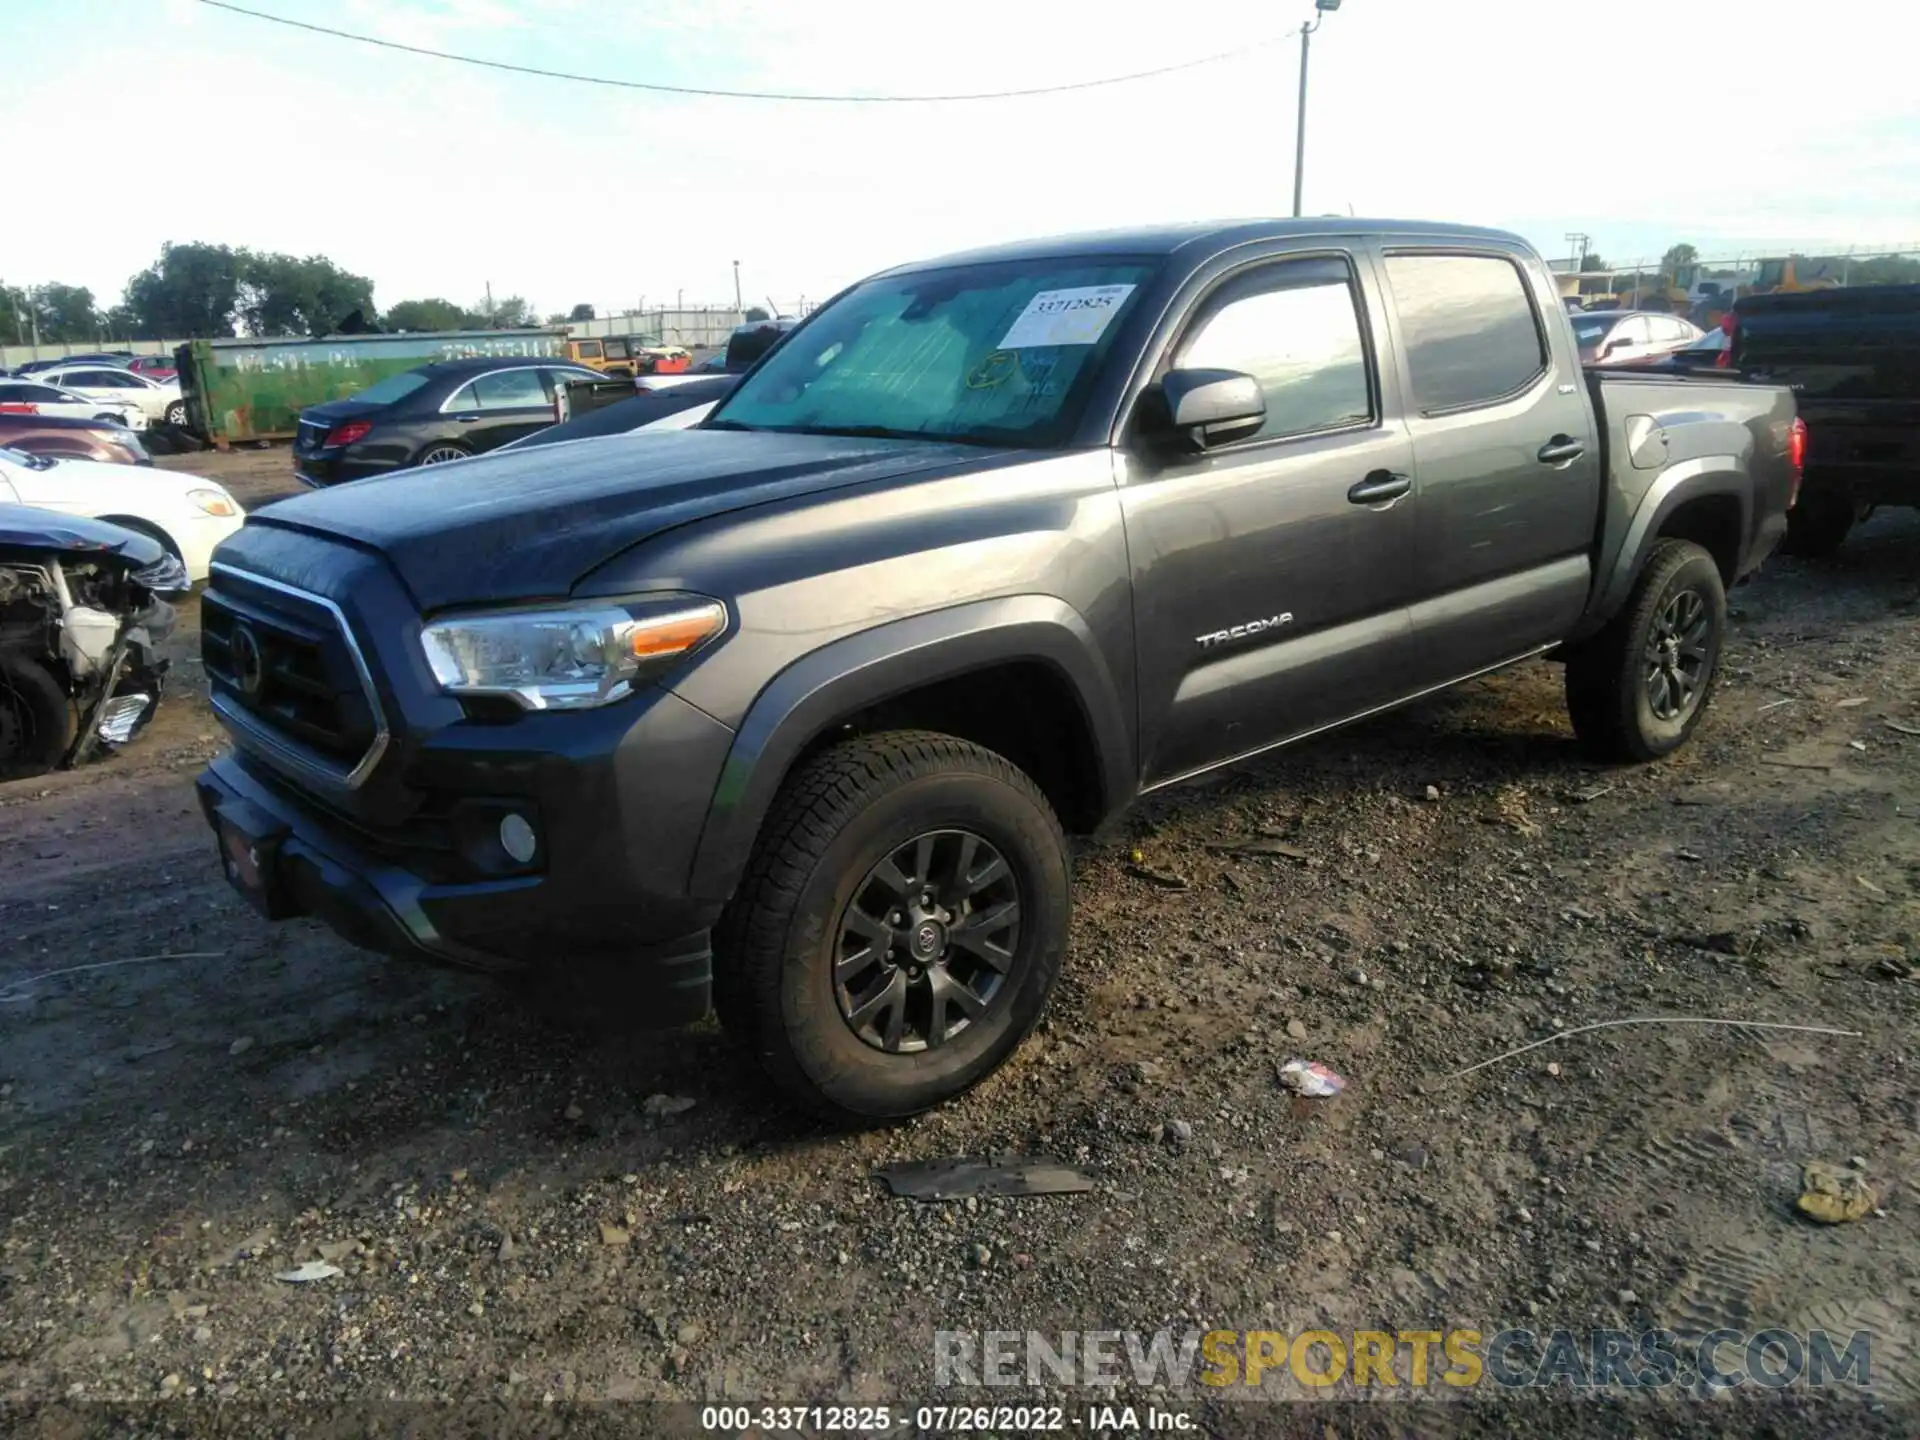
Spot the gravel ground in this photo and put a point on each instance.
(522, 1208)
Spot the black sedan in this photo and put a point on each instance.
(444, 411)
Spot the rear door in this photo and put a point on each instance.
(1269, 593)
(1508, 462)
(506, 405)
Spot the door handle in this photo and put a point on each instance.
(1378, 486)
(1560, 450)
(466, 419)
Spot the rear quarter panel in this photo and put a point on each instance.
(1671, 440)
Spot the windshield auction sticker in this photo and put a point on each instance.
(1066, 317)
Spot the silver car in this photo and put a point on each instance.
(1621, 337)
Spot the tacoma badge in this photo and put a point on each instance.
(1240, 632)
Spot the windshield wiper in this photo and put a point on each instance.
(723, 425)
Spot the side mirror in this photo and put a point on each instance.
(1213, 407)
(1613, 345)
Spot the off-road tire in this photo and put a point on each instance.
(836, 817)
(1608, 694)
(1819, 525)
(36, 721)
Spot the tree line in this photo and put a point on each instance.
(200, 291)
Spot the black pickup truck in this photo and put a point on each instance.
(1852, 359)
(789, 712)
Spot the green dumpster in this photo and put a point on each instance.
(255, 389)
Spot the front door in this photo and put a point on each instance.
(1271, 576)
(1509, 464)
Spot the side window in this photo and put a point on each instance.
(1294, 327)
(461, 399)
(1469, 328)
(617, 348)
(589, 349)
(509, 390)
(1635, 331)
(37, 394)
(1673, 332)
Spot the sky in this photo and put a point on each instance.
(1741, 126)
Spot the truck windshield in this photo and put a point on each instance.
(992, 354)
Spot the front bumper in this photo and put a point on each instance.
(404, 852)
(319, 867)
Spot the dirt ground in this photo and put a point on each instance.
(517, 1216)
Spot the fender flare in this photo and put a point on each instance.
(1679, 484)
(861, 670)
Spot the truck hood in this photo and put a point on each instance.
(529, 524)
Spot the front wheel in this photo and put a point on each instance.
(1637, 689)
(177, 414)
(36, 721)
(899, 928)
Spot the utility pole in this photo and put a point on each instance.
(489, 302)
(736, 286)
(1577, 244)
(1324, 9)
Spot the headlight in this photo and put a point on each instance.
(568, 659)
(214, 502)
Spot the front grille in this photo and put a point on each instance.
(283, 660)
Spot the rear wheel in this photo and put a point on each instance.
(443, 451)
(899, 929)
(1819, 524)
(177, 414)
(36, 722)
(1637, 689)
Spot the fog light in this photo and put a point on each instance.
(517, 838)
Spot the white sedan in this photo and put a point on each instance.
(31, 397)
(157, 399)
(189, 514)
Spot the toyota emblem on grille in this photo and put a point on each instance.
(249, 665)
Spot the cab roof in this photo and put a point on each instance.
(1206, 237)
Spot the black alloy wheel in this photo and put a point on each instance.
(1677, 656)
(926, 942)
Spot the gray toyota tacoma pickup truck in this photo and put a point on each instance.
(788, 714)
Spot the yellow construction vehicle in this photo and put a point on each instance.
(1787, 276)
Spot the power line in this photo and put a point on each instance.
(745, 94)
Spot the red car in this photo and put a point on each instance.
(154, 367)
(72, 439)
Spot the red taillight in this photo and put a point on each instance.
(1796, 459)
(348, 433)
(18, 407)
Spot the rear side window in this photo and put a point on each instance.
(589, 349)
(1294, 327)
(509, 390)
(1469, 327)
